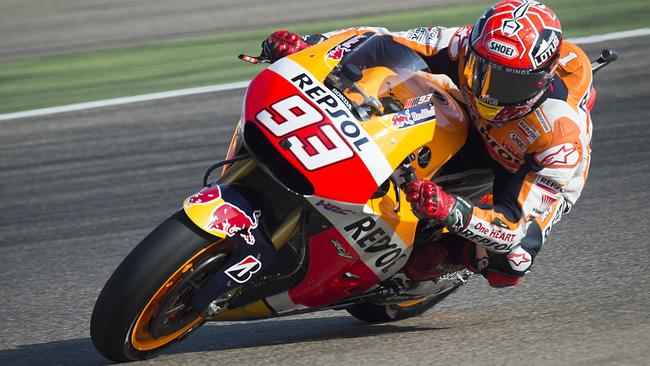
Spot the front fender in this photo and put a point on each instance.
(231, 212)
(225, 211)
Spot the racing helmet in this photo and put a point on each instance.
(512, 54)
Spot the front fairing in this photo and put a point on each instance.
(314, 132)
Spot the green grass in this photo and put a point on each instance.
(85, 76)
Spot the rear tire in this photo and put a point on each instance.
(128, 322)
(376, 313)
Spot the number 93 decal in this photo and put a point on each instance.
(314, 144)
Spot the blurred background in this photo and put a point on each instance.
(68, 51)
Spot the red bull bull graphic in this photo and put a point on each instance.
(337, 52)
(230, 220)
(413, 116)
(204, 196)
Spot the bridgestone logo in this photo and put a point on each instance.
(502, 49)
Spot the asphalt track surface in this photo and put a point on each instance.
(41, 27)
(79, 190)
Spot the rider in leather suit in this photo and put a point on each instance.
(528, 94)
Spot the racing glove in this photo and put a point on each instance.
(429, 201)
(282, 43)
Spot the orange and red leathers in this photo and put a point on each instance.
(544, 155)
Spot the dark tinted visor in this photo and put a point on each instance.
(501, 86)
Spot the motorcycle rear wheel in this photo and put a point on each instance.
(379, 313)
(143, 307)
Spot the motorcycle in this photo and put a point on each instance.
(276, 234)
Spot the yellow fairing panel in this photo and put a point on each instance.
(256, 310)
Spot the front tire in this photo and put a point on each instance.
(143, 306)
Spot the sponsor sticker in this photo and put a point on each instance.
(231, 220)
(565, 155)
(545, 205)
(417, 101)
(486, 242)
(414, 116)
(519, 259)
(548, 185)
(244, 270)
(204, 196)
(531, 133)
(340, 250)
(518, 141)
(373, 237)
(337, 52)
(542, 120)
(423, 35)
(502, 49)
(546, 49)
(333, 208)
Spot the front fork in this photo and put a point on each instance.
(233, 212)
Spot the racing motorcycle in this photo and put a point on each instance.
(276, 234)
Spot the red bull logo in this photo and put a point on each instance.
(414, 115)
(230, 220)
(401, 120)
(335, 53)
(204, 196)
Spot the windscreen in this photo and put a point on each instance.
(381, 76)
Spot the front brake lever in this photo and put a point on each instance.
(408, 174)
(254, 60)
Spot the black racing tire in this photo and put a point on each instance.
(378, 313)
(161, 263)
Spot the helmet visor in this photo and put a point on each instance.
(502, 86)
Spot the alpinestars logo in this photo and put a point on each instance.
(519, 259)
(564, 155)
(244, 270)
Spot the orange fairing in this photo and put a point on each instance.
(397, 140)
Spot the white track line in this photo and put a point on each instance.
(242, 84)
(125, 100)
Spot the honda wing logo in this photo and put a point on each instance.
(244, 270)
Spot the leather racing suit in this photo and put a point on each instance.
(539, 162)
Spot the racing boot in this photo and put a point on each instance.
(435, 259)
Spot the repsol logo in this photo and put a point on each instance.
(338, 113)
(504, 154)
(374, 240)
(502, 49)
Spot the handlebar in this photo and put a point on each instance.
(607, 56)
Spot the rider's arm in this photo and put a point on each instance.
(537, 196)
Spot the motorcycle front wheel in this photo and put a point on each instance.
(144, 306)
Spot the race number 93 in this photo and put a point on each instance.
(294, 118)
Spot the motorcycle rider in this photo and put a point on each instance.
(528, 95)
